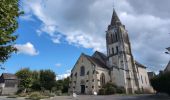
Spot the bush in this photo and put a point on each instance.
(58, 93)
(110, 88)
(35, 96)
(101, 91)
(120, 90)
(138, 92)
(48, 93)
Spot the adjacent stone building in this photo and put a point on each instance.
(8, 84)
(90, 73)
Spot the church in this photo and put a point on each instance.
(90, 73)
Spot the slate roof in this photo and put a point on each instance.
(139, 64)
(96, 61)
(8, 76)
(102, 56)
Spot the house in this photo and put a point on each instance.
(118, 66)
(8, 84)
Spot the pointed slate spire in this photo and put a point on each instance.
(115, 19)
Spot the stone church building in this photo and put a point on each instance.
(90, 73)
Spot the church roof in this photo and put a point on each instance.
(139, 64)
(103, 57)
(96, 61)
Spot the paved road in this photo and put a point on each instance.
(5, 98)
(110, 97)
(115, 97)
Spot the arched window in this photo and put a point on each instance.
(102, 79)
(82, 71)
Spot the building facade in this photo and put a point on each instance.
(90, 73)
(8, 84)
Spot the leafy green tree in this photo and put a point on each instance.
(25, 77)
(47, 79)
(36, 81)
(59, 85)
(9, 12)
(65, 85)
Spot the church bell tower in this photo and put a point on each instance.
(119, 55)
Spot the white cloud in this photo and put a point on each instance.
(83, 23)
(65, 75)
(27, 48)
(27, 17)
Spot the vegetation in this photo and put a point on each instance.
(161, 83)
(110, 88)
(47, 79)
(26, 79)
(9, 12)
(36, 85)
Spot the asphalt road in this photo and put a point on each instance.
(115, 97)
(110, 97)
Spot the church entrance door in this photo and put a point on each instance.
(82, 89)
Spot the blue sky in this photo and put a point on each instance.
(53, 33)
(58, 57)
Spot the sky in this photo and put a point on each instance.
(53, 33)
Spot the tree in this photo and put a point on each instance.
(36, 81)
(65, 85)
(47, 79)
(9, 12)
(25, 77)
(161, 83)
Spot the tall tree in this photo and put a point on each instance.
(47, 79)
(25, 77)
(9, 12)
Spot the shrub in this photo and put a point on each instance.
(138, 92)
(58, 93)
(101, 91)
(120, 90)
(35, 96)
(110, 90)
(48, 93)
